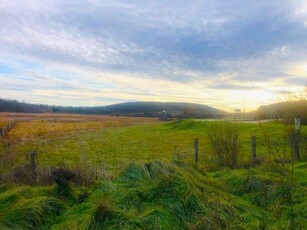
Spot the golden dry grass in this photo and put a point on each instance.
(3, 123)
(35, 125)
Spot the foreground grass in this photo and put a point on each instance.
(161, 195)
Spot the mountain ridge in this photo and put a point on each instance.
(138, 108)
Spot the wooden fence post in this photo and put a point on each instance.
(196, 150)
(295, 145)
(253, 142)
(33, 163)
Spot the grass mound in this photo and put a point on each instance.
(159, 196)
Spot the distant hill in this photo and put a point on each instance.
(147, 109)
(285, 110)
(173, 108)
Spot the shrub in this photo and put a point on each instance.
(224, 138)
(62, 177)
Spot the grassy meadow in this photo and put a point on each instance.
(139, 173)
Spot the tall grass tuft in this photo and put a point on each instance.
(25, 208)
(277, 199)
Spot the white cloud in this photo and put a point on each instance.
(205, 51)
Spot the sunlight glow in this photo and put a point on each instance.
(299, 70)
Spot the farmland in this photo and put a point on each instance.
(144, 174)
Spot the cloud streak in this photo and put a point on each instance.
(204, 51)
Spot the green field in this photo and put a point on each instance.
(116, 147)
(143, 176)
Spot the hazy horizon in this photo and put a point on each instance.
(242, 110)
(227, 55)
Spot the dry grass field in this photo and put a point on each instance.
(34, 125)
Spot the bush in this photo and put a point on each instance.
(62, 176)
(224, 138)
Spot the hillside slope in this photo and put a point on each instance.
(151, 109)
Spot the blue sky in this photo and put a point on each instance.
(226, 54)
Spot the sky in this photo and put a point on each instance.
(225, 54)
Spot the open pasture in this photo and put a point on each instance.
(70, 140)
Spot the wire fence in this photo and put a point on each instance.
(253, 150)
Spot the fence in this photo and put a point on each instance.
(279, 149)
